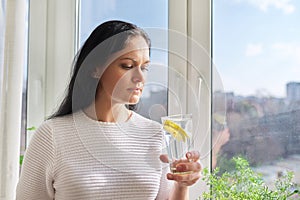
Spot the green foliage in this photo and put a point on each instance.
(225, 164)
(33, 128)
(21, 159)
(244, 183)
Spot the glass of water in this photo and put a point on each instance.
(178, 136)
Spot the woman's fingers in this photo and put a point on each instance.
(185, 179)
(190, 164)
(189, 167)
(193, 155)
(164, 158)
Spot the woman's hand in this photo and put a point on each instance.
(190, 164)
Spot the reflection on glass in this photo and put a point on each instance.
(258, 61)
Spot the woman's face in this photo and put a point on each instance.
(124, 78)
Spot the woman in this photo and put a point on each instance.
(95, 146)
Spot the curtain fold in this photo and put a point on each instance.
(12, 57)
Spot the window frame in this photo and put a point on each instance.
(52, 26)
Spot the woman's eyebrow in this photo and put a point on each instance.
(133, 60)
(127, 58)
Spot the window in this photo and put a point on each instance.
(150, 15)
(24, 91)
(256, 53)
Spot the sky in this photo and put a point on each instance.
(256, 45)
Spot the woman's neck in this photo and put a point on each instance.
(108, 113)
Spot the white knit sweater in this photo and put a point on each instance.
(74, 157)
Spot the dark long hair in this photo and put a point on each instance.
(106, 39)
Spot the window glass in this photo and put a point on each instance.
(256, 48)
(150, 15)
(24, 91)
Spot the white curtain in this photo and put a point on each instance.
(12, 54)
(2, 33)
(2, 95)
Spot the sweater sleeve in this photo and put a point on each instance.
(36, 179)
(165, 184)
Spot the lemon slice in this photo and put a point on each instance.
(175, 130)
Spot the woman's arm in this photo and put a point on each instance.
(179, 192)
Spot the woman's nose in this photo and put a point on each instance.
(138, 75)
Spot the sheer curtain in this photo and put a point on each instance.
(12, 54)
(2, 33)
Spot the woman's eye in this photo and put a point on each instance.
(126, 66)
(144, 68)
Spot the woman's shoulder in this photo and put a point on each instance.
(62, 121)
(47, 126)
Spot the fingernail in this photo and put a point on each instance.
(188, 155)
(170, 176)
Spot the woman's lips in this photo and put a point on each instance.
(135, 90)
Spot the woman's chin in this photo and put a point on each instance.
(134, 100)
